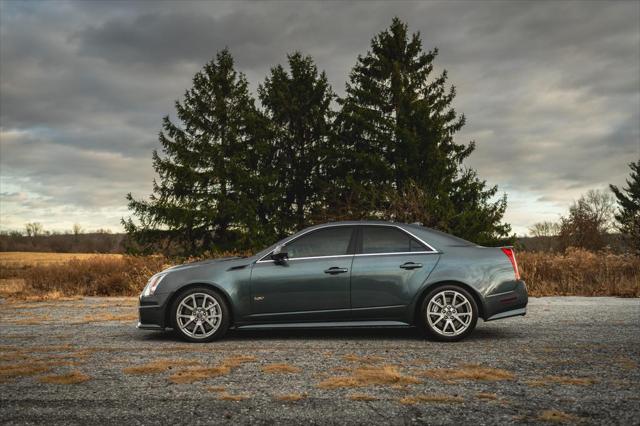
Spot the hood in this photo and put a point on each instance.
(208, 262)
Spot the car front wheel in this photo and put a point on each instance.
(200, 315)
(449, 313)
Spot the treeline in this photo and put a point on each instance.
(236, 172)
(95, 242)
(598, 220)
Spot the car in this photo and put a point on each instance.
(341, 274)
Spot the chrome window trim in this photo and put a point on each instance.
(307, 258)
(390, 225)
(391, 253)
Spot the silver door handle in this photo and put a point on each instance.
(335, 270)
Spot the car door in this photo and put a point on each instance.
(389, 267)
(312, 285)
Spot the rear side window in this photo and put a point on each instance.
(385, 239)
(325, 242)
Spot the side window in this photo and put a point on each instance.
(325, 242)
(385, 239)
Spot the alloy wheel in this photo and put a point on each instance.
(449, 313)
(199, 315)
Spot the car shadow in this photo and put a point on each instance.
(351, 334)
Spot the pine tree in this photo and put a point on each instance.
(396, 133)
(628, 216)
(208, 190)
(298, 105)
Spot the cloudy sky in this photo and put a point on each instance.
(551, 90)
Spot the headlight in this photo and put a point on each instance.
(151, 286)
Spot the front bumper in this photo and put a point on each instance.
(508, 304)
(152, 312)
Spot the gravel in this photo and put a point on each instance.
(597, 339)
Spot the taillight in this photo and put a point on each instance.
(512, 257)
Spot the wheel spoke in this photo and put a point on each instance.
(438, 320)
(201, 307)
(449, 313)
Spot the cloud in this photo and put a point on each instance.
(551, 90)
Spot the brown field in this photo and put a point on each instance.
(580, 273)
(22, 259)
(43, 276)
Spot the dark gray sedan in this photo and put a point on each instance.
(343, 274)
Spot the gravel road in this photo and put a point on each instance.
(570, 359)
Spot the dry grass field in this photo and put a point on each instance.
(25, 259)
(25, 275)
(580, 273)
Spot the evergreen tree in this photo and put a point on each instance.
(628, 216)
(209, 189)
(396, 142)
(298, 105)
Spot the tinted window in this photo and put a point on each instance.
(384, 239)
(326, 242)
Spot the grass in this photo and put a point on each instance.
(432, 398)
(71, 378)
(280, 368)
(486, 395)
(229, 397)
(21, 259)
(10, 371)
(291, 397)
(580, 273)
(157, 366)
(361, 397)
(108, 316)
(197, 374)
(368, 376)
(555, 416)
(368, 359)
(468, 372)
(56, 276)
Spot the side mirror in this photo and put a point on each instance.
(278, 255)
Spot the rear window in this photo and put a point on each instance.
(385, 239)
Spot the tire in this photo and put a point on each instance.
(450, 321)
(206, 320)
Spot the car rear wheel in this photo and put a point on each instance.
(449, 313)
(200, 315)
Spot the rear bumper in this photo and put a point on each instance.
(508, 304)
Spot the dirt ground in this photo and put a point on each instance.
(571, 359)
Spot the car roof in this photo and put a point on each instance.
(432, 237)
(428, 234)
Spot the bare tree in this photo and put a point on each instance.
(589, 220)
(77, 229)
(601, 205)
(34, 229)
(545, 229)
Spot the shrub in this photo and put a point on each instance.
(96, 276)
(579, 272)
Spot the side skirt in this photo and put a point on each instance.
(334, 324)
